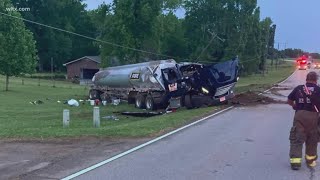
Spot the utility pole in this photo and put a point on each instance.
(285, 45)
(53, 83)
(284, 52)
(214, 35)
(277, 61)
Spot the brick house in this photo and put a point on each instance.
(83, 68)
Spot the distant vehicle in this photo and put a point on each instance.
(302, 64)
(317, 65)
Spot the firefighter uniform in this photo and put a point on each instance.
(305, 124)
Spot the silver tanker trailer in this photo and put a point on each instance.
(155, 84)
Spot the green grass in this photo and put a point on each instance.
(259, 82)
(20, 119)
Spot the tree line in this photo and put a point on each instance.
(132, 31)
(296, 53)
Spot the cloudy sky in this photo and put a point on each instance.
(296, 20)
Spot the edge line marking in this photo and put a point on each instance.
(141, 146)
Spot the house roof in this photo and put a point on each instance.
(96, 59)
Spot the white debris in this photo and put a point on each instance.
(73, 102)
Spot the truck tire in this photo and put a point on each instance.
(150, 104)
(195, 101)
(226, 102)
(198, 101)
(105, 97)
(131, 97)
(94, 94)
(140, 101)
(188, 102)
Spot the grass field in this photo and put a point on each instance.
(259, 82)
(20, 119)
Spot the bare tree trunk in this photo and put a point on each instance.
(7, 82)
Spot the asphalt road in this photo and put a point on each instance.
(242, 144)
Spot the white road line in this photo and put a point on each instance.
(141, 146)
(278, 83)
(288, 77)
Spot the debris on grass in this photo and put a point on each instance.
(110, 118)
(142, 114)
(36, 102)
(116, 102)
(73, 102)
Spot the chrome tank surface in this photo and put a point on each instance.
(141, 75)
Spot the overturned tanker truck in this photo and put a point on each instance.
(157, 84)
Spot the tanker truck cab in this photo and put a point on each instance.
(172, 81)
(223, 78)
(209, 84)
(168, 76)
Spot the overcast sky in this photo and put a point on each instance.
(296, 20)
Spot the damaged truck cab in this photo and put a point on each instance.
(209, 84)
(156, 84)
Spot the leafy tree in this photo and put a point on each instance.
(131, 25)
(315, 55)
(293, 53)
(203, 18)
(235, 21)
(168, 36)
(18, 50)
(265, 41)
(69, 15)
(212, 31)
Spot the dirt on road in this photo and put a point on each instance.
(254, 98)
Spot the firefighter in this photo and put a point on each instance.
(305, 123)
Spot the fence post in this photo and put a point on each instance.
(96, 117)
(66, 118)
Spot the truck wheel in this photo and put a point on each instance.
(188, 102)
(140, 101)
(182, 101)
(131, 97)
(226, 102)
(195, 101)
(198, 101)
(150, 105)
(94, 94)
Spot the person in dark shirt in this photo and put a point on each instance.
(304, 100)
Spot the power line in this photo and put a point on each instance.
(87, 37)
(214, 35)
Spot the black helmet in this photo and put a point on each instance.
(312, 76)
